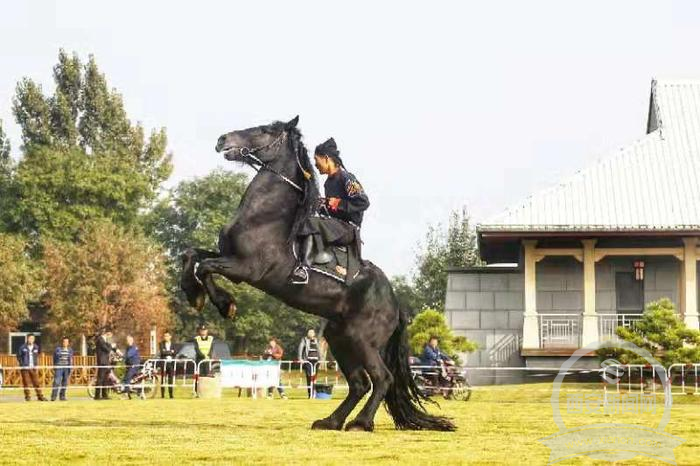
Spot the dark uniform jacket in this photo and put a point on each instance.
(165, 353)
(132, 356)
(103, 350)
(353, 199)
(432, 356)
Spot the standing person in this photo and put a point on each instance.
(309, 355)
(167, 371)
(103, 349)
(28, 358)
(62, 362)
(274, 352)
(132, 360)
(203, 344)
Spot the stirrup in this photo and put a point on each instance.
(295, 279)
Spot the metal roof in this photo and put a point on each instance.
(653, 184)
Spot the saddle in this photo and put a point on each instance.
(345, 262)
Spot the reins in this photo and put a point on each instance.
(249, 154)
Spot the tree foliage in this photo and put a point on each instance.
(83, 159)
(662, 333)
(109, 276)
(444, 248)
(430, 323)
(18, 280)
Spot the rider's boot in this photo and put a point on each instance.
(322, 256)
(300, 275)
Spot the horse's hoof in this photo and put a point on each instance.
(229, 312)
(326, 424)
(358, 426)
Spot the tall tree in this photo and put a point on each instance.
(82, 157)
(18, 281)
(454, 247)
(109, 276)
(8, 188)
(191, 216)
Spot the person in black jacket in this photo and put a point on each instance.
(167, 371)
(345, 203)
(104, 349)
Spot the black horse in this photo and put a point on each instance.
(366, 330)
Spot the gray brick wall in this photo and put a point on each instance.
(487, 308)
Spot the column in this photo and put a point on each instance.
(589, 318)
(690, 282)
(531, 330)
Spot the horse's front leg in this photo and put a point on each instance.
(227, 267)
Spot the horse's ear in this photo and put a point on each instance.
(291, 124)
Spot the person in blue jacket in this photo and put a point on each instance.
(432, 356)
(28, 359)
(62, 360)
(132, 360)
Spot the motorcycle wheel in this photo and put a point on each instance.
(148, 388)
(461, 391)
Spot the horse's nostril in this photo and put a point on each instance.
(220, 143)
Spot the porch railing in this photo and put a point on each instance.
(608, 323)
(560, 330)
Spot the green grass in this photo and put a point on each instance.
(500, 425)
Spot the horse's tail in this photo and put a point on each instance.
(404, 400)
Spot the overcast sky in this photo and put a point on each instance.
(434, 105)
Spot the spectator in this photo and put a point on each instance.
(274, 351)
(309, 355)
(104, 348)
(432, 356)
(62, 360)
(28, 358)
(167, 372)
(132, 360)
(203, 344)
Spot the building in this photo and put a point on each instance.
(590, 252)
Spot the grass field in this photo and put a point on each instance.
(499, 425)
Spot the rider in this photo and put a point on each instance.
(345, 203)
(432, 356)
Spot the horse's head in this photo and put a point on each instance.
(260, 142)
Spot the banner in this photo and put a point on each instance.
(249, 374)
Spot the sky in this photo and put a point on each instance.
(434, 105)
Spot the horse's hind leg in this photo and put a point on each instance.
(381, 379)
(358, 382)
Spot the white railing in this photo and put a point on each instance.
(559, 330)
(608, 323)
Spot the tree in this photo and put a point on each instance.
(191, 216)
(8, 191)
(19, 283)
(662, 333)
(109, 276)
(442, 249)
(409, 299)
(83, 159)
(429, 323)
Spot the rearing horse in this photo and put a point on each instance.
(366, 330)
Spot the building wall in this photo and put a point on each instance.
(487, 307)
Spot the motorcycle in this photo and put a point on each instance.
(144, 384)
(446, 380)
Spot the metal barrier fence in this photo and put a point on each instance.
(305, 375)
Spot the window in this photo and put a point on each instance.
(629, 293)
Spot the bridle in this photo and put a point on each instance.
(257, 164)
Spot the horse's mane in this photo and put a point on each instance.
(308, 202)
